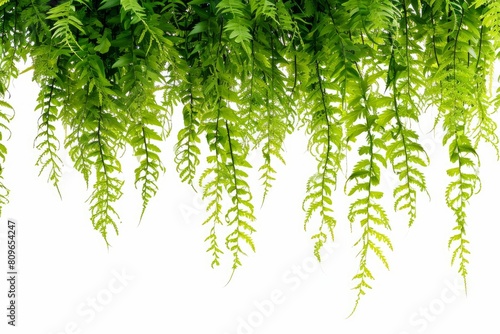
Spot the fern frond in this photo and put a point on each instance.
(372, 17)
(215, 178)
(266, 104)
(241, 214)
(186, 149)
(5, 118)
(142, 138)
(326, 145)
(188, 89)
(322, 110)
(66, 22)
(264, 8)
(136, 11)
(76, 141)
(364, 179)
(46, 140)
(490, 11)
(9, 58)
(465, 182)
(212, 181)
(480, 123)
(145, 115)
(150, 26)
(403, 150)
(213, 189)
(238, 23)
(457, 100)
(103, 145)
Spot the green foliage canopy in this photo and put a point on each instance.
(247, 73)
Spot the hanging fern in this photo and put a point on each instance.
(323, 125)
(364, 179)
(355, 75)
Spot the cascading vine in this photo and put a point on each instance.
(355, 75)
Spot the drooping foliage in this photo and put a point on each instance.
(354, 75)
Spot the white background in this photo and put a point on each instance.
(156, 277)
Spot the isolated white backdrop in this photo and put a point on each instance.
(156, 277)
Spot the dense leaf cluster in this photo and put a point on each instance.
(354, 74)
